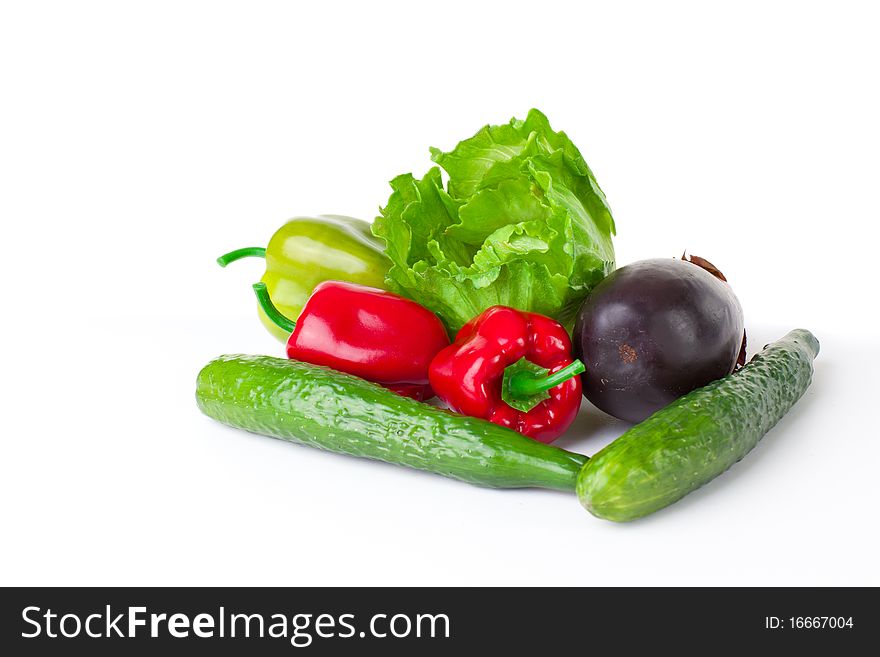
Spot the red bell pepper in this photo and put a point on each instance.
(513, 368)
(371, 333)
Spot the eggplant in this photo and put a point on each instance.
(654, 330)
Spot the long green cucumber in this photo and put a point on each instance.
(699, 436)
(323, 408)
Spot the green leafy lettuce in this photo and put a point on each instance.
(521, 222)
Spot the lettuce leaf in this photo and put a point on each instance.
(521, 222)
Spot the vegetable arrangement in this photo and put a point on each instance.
(511, 254)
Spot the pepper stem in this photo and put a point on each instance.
(524, 383)
(282, 322)
(238, 254)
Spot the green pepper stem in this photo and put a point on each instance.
(524, 384)
(238, 254)
(282, 322)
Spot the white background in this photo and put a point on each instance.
(140, 140)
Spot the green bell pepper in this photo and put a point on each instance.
(308, 250)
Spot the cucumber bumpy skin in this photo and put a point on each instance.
(327, 409)
(699, 436)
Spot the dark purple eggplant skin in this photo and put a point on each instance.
(651, 332)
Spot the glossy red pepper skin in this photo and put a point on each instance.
(468, 374)
(371, 333)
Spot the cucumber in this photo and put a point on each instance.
(324, 408)
(699, 436)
